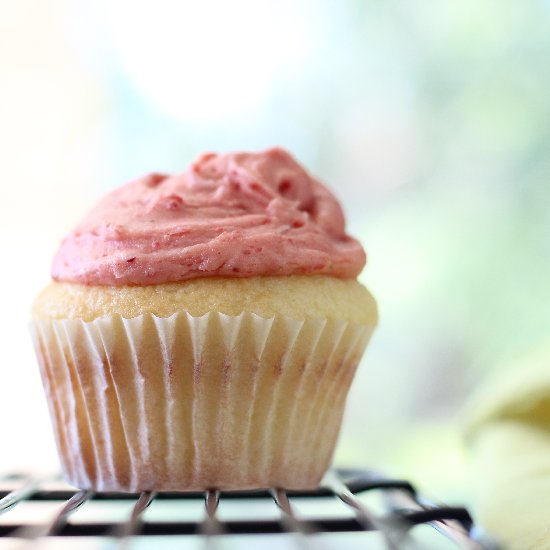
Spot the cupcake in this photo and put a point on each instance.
(508, 432)
(202, 330)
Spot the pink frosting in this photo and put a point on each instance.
(232, 215)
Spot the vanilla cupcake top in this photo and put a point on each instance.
(231, 215)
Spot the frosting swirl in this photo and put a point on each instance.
(231, 215)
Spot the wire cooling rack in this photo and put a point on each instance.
(352, 509)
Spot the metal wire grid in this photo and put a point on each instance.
(403, 510)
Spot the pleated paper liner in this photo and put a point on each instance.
(188, 403)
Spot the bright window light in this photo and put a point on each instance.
(209, 60)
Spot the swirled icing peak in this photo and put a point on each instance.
(230, 215)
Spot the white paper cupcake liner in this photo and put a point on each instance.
(188, 403)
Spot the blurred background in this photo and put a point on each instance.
(429, 120)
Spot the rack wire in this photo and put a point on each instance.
(351, 509)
